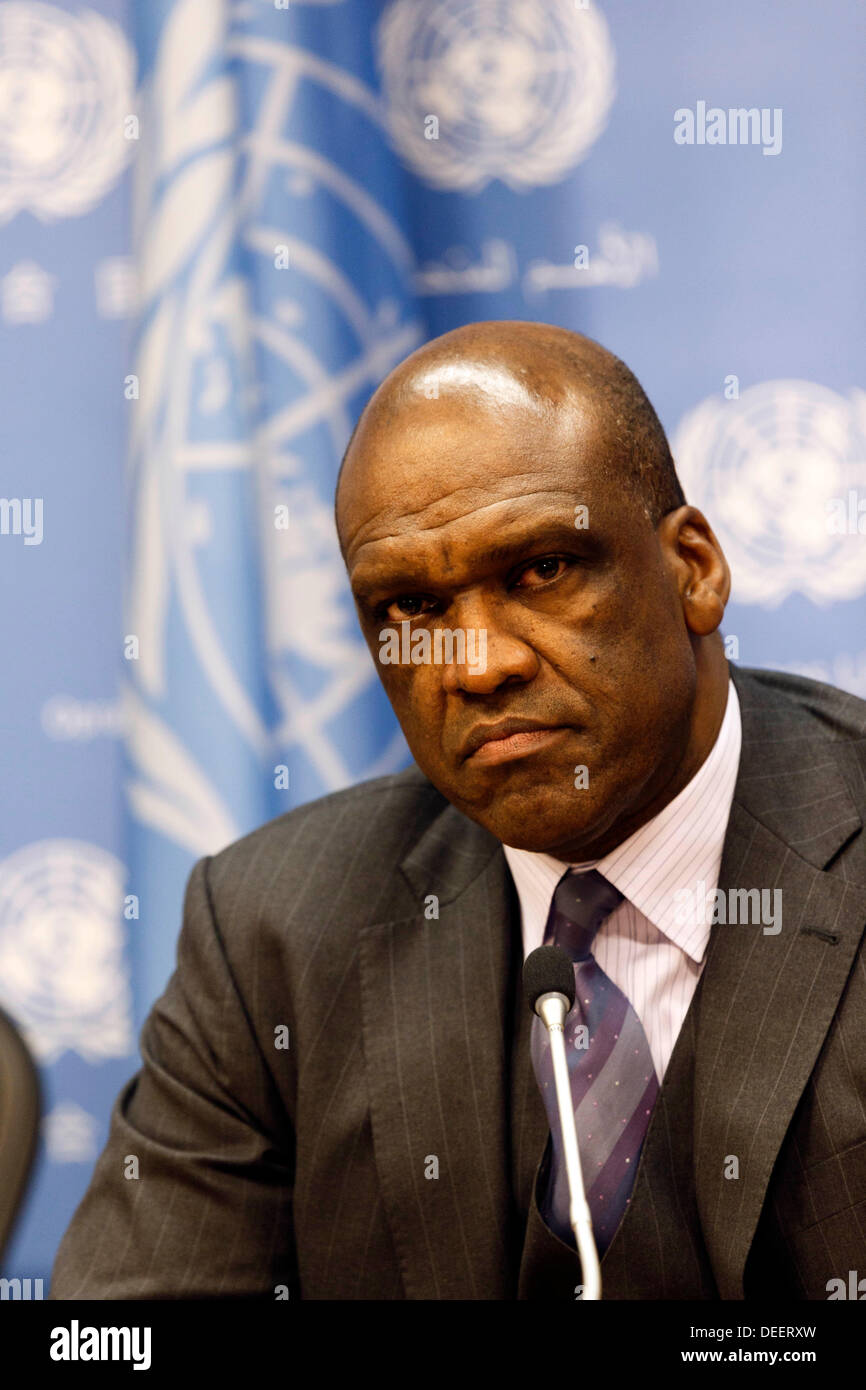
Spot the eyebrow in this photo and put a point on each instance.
(405, 576)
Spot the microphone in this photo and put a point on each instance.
(548, 984)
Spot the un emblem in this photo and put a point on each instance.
(510, 91)
(66, 87)
(771, 470)
(62, 975)
(251, 368)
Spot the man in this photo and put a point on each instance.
(344, 1094)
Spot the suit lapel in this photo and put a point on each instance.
(435, 1022)
(768, 998)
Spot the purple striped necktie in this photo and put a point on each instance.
(613, 1079)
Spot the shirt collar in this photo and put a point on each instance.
(667, 865)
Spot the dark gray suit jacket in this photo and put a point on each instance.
(311, 1166)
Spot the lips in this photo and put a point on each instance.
(507, 737)
(502, 750)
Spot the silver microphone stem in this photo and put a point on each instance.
(552, 1009)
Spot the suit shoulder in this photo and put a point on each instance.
(385, 813)
(842, 716)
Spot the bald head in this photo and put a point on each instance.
(503, 368)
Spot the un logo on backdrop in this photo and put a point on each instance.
(768, 469)
(256, 340)
(66, 87)
(62, 973)
(510, 91)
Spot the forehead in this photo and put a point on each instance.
(432, 462)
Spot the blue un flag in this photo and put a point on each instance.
(275, 293)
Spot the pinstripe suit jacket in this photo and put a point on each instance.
(314, 1166)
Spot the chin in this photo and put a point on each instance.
(532, 843)
(539, 829)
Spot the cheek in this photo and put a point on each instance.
(632, 637)
(415, 694)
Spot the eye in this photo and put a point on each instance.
(546, 570)
(406, 606)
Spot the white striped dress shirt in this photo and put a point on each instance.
(653, 944)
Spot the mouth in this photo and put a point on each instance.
(488, 747)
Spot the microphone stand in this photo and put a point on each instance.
(553, 1010)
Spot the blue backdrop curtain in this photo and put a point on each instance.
(222, 224)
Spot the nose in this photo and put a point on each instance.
(496, 655)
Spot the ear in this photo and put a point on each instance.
(698, 564)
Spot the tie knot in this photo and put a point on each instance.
(581, 902)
